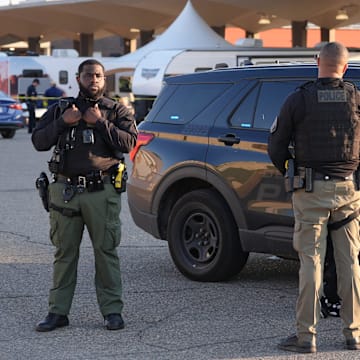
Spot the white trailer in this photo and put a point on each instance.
(155, 66)
(146, 74)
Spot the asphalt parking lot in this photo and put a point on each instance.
(167, 316)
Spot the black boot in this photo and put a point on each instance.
(51, 322)
(114, 322)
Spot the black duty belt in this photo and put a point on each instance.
(78, 184)
(319, 176)
(83, 180)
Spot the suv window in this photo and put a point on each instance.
(177, 110)
(357, 83)
(262, 104)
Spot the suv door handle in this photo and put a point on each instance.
(229, 139)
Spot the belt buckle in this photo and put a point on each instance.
(81, 184)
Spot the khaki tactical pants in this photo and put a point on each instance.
(100, 212)
(331, 201)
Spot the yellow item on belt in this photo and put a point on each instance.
(119, 176)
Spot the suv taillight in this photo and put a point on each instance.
(15, 106)
(142, 139)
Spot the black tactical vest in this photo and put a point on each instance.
(81, 147)
(330, 129)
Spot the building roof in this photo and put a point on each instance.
(66, 19)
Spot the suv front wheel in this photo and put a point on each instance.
(203, 238)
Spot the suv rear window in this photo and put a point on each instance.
(177, 108)
(262, 104)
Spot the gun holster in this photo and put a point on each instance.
(42, 184)
(298, 178)
(289, 178)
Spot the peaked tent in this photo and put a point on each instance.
(188, 32)
(148, 64)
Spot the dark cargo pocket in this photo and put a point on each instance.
(113, 225)
(54, 225)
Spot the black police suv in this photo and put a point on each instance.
(201, 177)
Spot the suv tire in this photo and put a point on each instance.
(7, 134)
(203, 239)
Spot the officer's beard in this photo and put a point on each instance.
(89, 94)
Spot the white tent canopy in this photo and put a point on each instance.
(188, 32)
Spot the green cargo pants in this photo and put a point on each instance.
(99, 212)
(330, 201)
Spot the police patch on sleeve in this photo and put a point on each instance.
(274, 126)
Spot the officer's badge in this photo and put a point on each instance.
(274, 126)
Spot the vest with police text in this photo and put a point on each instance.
(330, 129)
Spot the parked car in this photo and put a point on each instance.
(11, 116)
(201, 176)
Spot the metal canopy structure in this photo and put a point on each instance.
(51, 20)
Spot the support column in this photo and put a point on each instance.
(145, 37)
(86, 44)
(298, 30)
(76, 45)
(34, 44)
(220, 30)
(327, 35)
(126, 45)
(249, 34)
(324, 34)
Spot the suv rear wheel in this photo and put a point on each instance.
(7, 134)
(203, 238)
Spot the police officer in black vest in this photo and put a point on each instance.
(89, 135)
(321, 121)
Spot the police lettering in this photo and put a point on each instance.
(328, 96)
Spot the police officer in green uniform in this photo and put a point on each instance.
(321, 121)
(89, 135)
